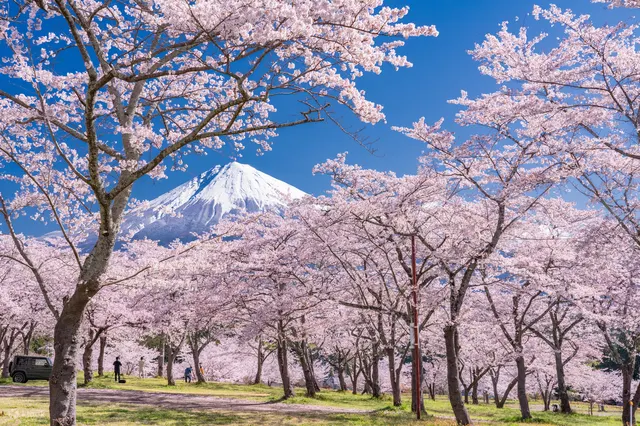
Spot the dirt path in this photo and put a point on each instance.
(175, 401)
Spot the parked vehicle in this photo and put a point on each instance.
(24, 368)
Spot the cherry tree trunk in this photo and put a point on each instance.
(375, 372)
(171, 356)
(309, 379)
(103, 345)
(474, 393)
(62, 383)
(627, 380)
(258, 378)
(432, 391)
(5, 360)
(546, 398)
(522, 388)
(354, 376)
(87, 356)
(309, 355)
(161, 359)
(27, 337)
(341, 380)
(283, 366)
(196, 365)
(565, 406)
(395, 385)
(453, 381)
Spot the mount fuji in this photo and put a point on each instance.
(196, 206)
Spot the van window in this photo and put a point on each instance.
(41, 362)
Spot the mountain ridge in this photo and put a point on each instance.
(199, 204)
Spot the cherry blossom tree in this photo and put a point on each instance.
(108, 93)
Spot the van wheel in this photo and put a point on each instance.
(19, 378)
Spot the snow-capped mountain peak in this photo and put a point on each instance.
(199, 204)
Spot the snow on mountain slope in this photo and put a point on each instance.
(199, 204)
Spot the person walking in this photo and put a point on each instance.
(141, 367)
(187, 374)
(116, 368)
(201, 371)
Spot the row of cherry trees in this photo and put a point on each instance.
(510, 275)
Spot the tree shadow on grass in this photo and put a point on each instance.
(136, 414)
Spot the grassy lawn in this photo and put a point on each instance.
(34, 411)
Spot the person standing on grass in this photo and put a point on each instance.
(187, 374)
(201, 371)
(141, 367)
(116, 368)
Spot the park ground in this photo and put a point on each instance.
(152, 402)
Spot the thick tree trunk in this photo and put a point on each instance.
(546, 397)
(627, 379)
(161, 359)
(395, 385)
(565, 406)
(62, 383)
(309, 356)
(258, 378)
(171, 356)
(87, 356)
(103, 345)
(355, 372)
(341, 380)
(309, 380)
(375, 372)
(494, 384)
(27, 337)
(474, 393)
(196, 365)
(522, 388)
(283, 366)
(6, 360)
(453, 381)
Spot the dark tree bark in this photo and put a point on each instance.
(196, 366)
(522, 388)
(161, 358)
(395, 384)
(261, 357)
(375, 371)
(62, 383)
(453, 381)
(103, 346)
(354, 371)
(27, 336)
(563, 394)
(341, 380)
(300, 349)
(283, 362)
(173, 349)
(474, 393)
(171, 356)
(87, 356)
(8, 345)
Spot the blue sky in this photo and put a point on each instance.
(442, 67)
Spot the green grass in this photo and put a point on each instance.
(31, 412)
(383, 412)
